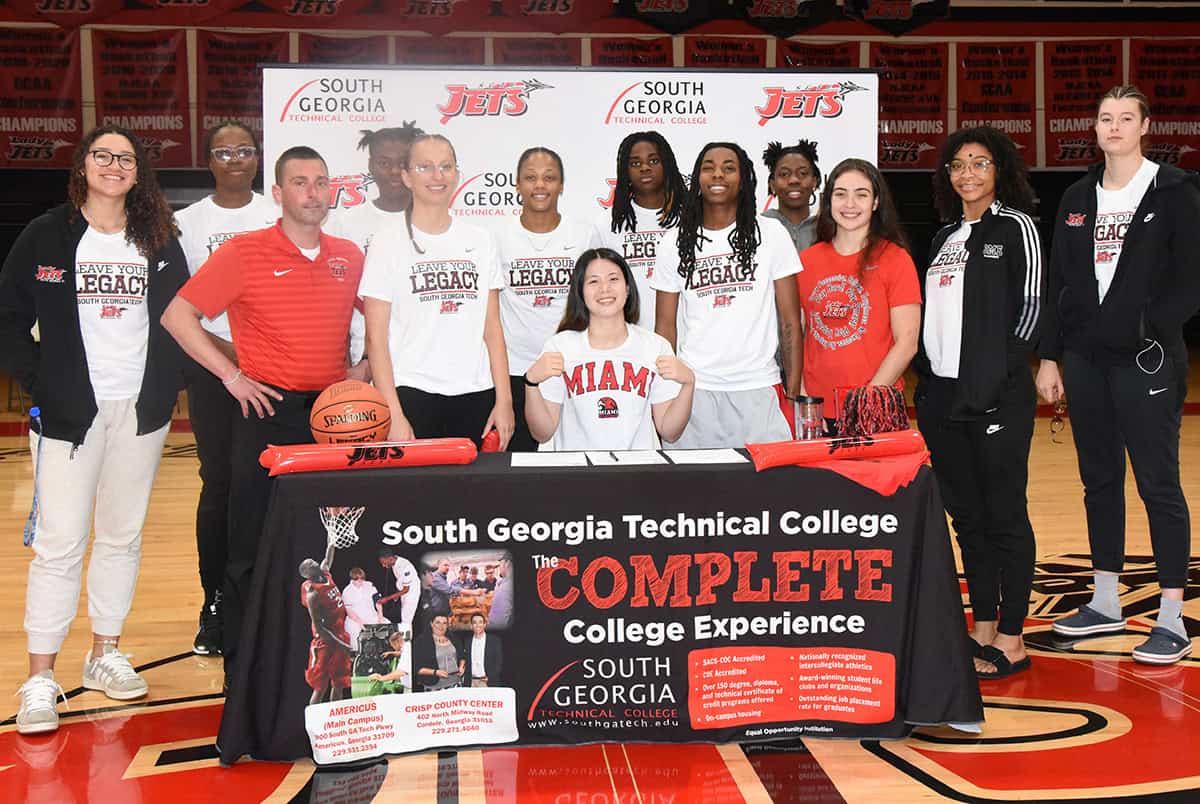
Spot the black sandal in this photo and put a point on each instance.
(1004, 667)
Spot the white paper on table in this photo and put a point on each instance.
(706, 456)
(543, 459)
(627, 457)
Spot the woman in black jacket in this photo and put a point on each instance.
(95, 274)
(976, 401)
(1125, 275)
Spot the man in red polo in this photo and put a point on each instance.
(289, 291)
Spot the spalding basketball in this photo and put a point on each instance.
(349, 411)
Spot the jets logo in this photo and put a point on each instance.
(1075, 219)
(48, 273)
(506, 98)
(813, 101)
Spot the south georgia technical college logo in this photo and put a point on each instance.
(336, 100)
(657, 103)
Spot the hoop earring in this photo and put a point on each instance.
(812, 198)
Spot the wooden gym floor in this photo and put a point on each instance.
(1085, 723)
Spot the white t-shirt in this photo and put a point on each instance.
(640, 249)
(943, 303)
(1114, 211)
(439, 299)
(358, 225)
(730, 329)
(110, 289)
(537, 270)
(607, 394)
(204, 226)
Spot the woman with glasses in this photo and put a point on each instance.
(430, 293)
(1124, 278)
(537, 255)
(232, 209)
(95, 274)
(858, 289)
(975, 400)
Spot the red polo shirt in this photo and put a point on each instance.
(290, 316)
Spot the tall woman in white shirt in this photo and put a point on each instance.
(537, 254)
(1124, 279)
(603, 382)
(430, 292)
(96, 274)
(730, 273)
(232, 209)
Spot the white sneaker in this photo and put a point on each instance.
(39, 707)
(112, 674)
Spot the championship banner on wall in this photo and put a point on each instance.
(492, 115)
(738, 53)
(230, 81)
(448, 50)
(142, 84)
(316, 49)
(1168, 71)
(793, 55)
(1076, 75)
(540, 52)
(913, 84)
(460, 606)
(628, 51)
(41, 116)
(997, 86)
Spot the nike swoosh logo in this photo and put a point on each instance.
(994, 428)
(1156, 391)
(281, 273)
(162, 264)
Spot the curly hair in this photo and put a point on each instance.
(623, 217)
(405, 134)
(885, 222)
(744, 238)
(149, 224)
(1012, 176)
(806, 148)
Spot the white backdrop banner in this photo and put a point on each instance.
(492, 115)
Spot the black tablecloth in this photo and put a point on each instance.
(876, 599)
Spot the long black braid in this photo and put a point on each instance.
(745, 237)
(623, 216)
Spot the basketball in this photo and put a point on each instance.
(348, 412)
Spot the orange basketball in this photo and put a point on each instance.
(349, 411)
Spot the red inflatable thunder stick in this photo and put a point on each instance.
(332, 457)
(491, 442)
(817, 450)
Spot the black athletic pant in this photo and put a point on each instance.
(211, 410)
(522, 440)
(249, 497)
(982, 467)
(1134, 405)
(441, 416)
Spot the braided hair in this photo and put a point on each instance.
(745, 237)
(623, 216)
(405, 133)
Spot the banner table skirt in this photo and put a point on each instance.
(500, 605)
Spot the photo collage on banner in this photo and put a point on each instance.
(491, 116)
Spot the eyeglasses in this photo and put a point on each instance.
(979, 167)
(1056, 423)
(242, 152)
(429, 167)
(105, 158)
